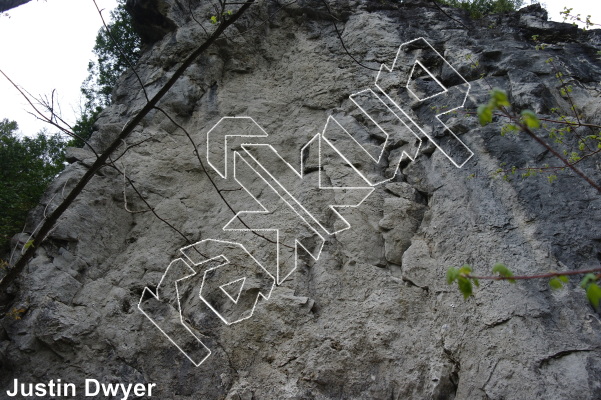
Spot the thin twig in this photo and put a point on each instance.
(127, 148)
(194, 18)
(571, 123)
(445, 13)
(554, 121)
(528, 131)
(334, 19)
(559, 75)
(544, 169)
(212, 181)
(41, 116)
(150, 208)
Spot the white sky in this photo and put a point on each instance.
(46, 45)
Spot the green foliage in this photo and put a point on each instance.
(216, 19)
(593, 294)
(558, 281)
(530, 119)
(498, 100)
(466, 281)
(575, 143)
(568, 132)
(503, 271)
(27, 165)
(509, 128)
(484, 114)
(84, 126)
(463, 279)
(587, 280)
(115, 49)
(480, 8)
(567, 15)
(593, 291)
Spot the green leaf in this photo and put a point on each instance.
(465, 286)
(588, 279)
(499, 98)
(593, 293)
(452, 275)
(530, 119)
(555, 283)
(503, 271)
(563, 278)
(28, 244)
(213, 19)
(465, 270)
(508, 128)
(484, 115)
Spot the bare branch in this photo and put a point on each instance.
(40, 115)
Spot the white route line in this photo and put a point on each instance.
(384, 68)
(222, 287)
(226, 263)
(147, 291)
(306, 216)
(280, 279)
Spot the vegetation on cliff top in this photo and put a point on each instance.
(479, 8)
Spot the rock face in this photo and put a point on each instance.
(372, 317)
(10, 4)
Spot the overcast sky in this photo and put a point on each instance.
(46, 45)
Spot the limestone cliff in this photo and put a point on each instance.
(368, 315)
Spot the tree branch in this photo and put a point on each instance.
(49, 120)
(540, 276)
(101, 160)
(334, 19)
(571, 166)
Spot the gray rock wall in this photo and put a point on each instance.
(372, 317)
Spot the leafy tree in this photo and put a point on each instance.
(117, 48)
(27, 165)
(479, 8)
